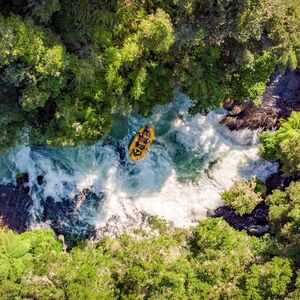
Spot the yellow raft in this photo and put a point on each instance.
(141, 143)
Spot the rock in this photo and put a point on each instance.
(237, 109)
(255, 223)
(22, 181)
(15, 205)
(40, 179)
(275, 181)
(279, 181)
(65, 215)
(281, 97)
(229, 103)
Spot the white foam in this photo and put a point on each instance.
(153, 185)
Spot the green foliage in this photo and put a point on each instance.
(156, 32)
(39, 55)
(285, 34)
(68, 68)
(284, 144)
(199, 73)
(268, 281)
(251, 80)
(209, 262)
(284, 218)
(295, 294)
(42, 241)
(244, 195)
(33, 62)
(14, 255)
(10, 123)
(222, 256)
(45, 10)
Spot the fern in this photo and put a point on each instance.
(14, 246)
(15, 255)
(18, 250)
(18, 268)
(4, 268)
(283, 144)
(288, 128)
(206, 89)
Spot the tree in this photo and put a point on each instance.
(268, 281)
(284, 211)
(283, 144)
(244, 196)
(250, 81)
(221, 257)
(295, 294)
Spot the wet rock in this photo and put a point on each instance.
(255, 223)
(22, 181)
(281, 97)
(15, 205)
(237, 110)
(275, 181)
(64, 216)
(57, 211)
(40, 179)
(80, 198)
(279, 181)
(229, 103)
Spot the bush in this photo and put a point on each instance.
(284, 218)
(270, 280)
(284, 144)
(168, 264)
(244, 196)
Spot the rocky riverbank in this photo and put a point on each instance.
(255, 223)
(15, 204)
(280, 98)
(63, 216)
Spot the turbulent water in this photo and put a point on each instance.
(192, 160)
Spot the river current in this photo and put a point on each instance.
(193, 159)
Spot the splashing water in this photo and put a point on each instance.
(193, 159)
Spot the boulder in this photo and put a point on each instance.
(255, 223)
(281, 97)
(64, 216)
(279, 181)
(15, 205)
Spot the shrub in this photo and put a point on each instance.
(284, 144)
(244, 196)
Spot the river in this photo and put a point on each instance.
(193, 159)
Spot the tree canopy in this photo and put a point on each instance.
(66, 69)
(213, 261)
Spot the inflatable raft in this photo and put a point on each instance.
(141, 143)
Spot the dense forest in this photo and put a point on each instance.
(67, 67)
(211, 261)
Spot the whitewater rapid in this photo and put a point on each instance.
(193, 159)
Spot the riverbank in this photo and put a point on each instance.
(16, 204)
(63, 216)
(281, 97)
